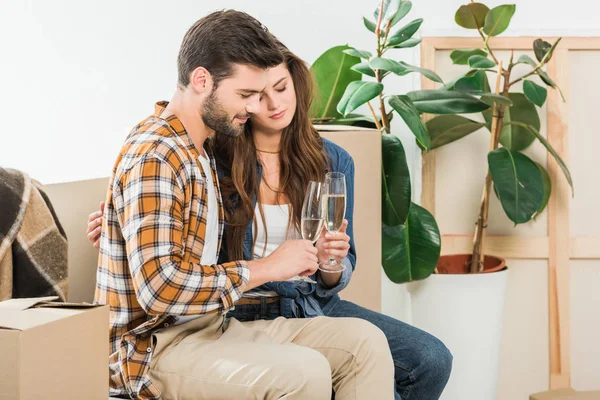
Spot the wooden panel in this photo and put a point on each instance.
(585, 247)
(558, 220)
(584, 142)
(428, 163)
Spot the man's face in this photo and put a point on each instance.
(227, 109)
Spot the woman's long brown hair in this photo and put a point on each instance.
(302, 159)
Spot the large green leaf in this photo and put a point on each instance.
(444, 129)
(452, 84)
(396, 181)
(535, 131)
(543, 50)
(547, 189)
(405, 33)
(411, 251)
(513, 136)
(445, 102)
(403, 10)
(332, 75)
(387, 64)
(358, 53)
(491, 98)
(518, 182)
(480, 62)
(406, 109)
(550, 52)
(540, 49)
(525, 59)
(423, 71)
(472, 83)
(498, 19)
(408, 43)
(461, 57)
(548, 81)
(370, 25)
(390, 8)
(352, 119)
(471, 16)
(534, 92)
(358, 93)
(363, 68)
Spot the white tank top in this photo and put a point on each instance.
(276, 218)
(211, 239)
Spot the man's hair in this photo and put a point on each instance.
(224, 38)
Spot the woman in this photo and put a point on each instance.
(264, 175)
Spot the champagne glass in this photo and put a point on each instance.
(313, 215)
(334, 199)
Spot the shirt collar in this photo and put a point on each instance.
(161, 112)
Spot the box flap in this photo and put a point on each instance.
(23, 304)
(61, 304)
(22, 314)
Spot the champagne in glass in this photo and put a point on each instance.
(335, 204)
(336, 210)
(311, 228)
(313, 215)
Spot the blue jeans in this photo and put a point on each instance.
(422, 362)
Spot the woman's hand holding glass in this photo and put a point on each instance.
(334, 245)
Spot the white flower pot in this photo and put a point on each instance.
(465, 311)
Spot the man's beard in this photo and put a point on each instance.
(217, 119)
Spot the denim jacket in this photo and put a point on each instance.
(302, 299)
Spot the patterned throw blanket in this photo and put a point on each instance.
(33, 244)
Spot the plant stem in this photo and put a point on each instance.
(377, 124)
(378, 74)
(486, 45)
(482, 220)
(378, 29)
(384, 118)
(527, 75)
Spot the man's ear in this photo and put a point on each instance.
(201, 80)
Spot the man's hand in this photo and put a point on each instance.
(292, 258)
(94, 226)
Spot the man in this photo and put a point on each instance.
(161, 236)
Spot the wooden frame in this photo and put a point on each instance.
(558, 247)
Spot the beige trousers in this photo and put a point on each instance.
(280, 359)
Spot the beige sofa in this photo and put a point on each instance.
(74, 201)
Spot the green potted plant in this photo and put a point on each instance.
(463, 302)
(410, 235)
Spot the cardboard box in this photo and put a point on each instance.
(364, 145)
(53, 350)
(565, 394)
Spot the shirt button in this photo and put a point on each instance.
(149, 350)
(166, 325)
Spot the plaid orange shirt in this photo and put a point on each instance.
(152, 240)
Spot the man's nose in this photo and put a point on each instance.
(253, 105)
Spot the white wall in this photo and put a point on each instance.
(75, 76)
